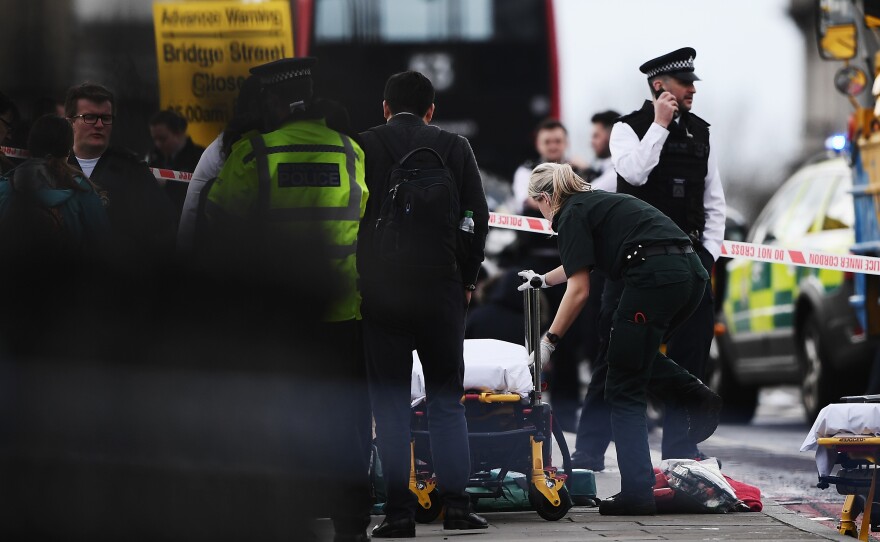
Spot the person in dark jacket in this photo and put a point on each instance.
(500, 316)
(48, 205)
(173, 149)
(141, 216)
(418, 310)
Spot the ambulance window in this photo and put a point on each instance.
(804, 210)
(840, 213)
(772, 221)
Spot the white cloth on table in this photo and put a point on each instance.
(840, 419)
(489, 365)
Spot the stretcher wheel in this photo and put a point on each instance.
(545, 509)
(427, 515)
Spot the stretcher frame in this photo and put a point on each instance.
(547, 492)
(862, 453)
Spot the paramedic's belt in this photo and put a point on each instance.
(658, 250)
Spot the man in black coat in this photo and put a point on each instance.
(408, 307)
(173, 149)
(141, 217)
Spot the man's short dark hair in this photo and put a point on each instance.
(89, 91)
(171, 119)
(409, 92)
(605, 118)
(550, 124)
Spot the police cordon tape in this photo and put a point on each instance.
(159, 173)
(729, 249)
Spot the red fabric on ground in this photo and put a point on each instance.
(748, 494)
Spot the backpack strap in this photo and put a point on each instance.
(441, 148)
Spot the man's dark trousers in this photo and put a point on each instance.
(428, 317)
(658, 296)
(689, 347)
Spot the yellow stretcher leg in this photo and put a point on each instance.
(847, 525)
(548, 486)
(421, 489)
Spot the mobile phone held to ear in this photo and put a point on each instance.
(657, 94)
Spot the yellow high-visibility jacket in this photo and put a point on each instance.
(301, 177)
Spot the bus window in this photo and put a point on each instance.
(492, 63)
(409, 21)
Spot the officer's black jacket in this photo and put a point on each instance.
(413, 133)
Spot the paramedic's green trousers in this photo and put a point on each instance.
(659, 294)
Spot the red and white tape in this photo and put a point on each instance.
(12, 152)
(167, 174)
(521, 223)
(805, 258)
(729, 249)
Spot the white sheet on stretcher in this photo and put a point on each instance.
(840, 419)
(489, 365)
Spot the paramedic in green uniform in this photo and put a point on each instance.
(664, 281)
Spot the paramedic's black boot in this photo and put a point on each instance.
(395, 528)
(623, 504)
(463, 518)
(704, 412)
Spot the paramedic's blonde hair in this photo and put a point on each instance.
(558, 180)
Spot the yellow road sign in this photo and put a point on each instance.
(204, 50)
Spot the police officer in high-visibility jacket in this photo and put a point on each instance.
(301, 176)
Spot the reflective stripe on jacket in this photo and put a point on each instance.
(299, 178)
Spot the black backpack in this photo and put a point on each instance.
(417, 224)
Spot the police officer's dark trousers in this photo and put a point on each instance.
(658, 295)
(594, 427)
(429, 317)
(343, 423)
(689, 347)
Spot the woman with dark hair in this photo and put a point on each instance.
(8, 119)
(245, 118)
(46, 203)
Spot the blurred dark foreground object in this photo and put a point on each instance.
(172, 401)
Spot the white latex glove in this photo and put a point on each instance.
(531, 279)
(546, 350)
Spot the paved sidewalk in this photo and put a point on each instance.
(775, 523)
(584, 524)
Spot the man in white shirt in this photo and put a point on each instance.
(551, 143)
(662, 155)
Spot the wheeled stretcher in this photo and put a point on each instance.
(846, 438)
(509, 428)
